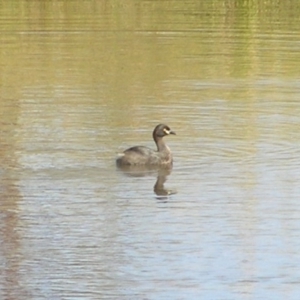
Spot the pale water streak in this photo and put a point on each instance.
(81, 81)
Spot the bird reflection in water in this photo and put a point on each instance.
(162, 174)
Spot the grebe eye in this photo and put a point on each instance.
(167, 130)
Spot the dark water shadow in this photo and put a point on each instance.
(161, 174)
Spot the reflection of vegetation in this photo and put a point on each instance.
(150, 14)
(134, 52)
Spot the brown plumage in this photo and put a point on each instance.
(140, 155)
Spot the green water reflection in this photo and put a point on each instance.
(80, 79)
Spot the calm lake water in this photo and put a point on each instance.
(83, 80)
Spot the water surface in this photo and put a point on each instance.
(81, 81)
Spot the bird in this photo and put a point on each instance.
(144, 156)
